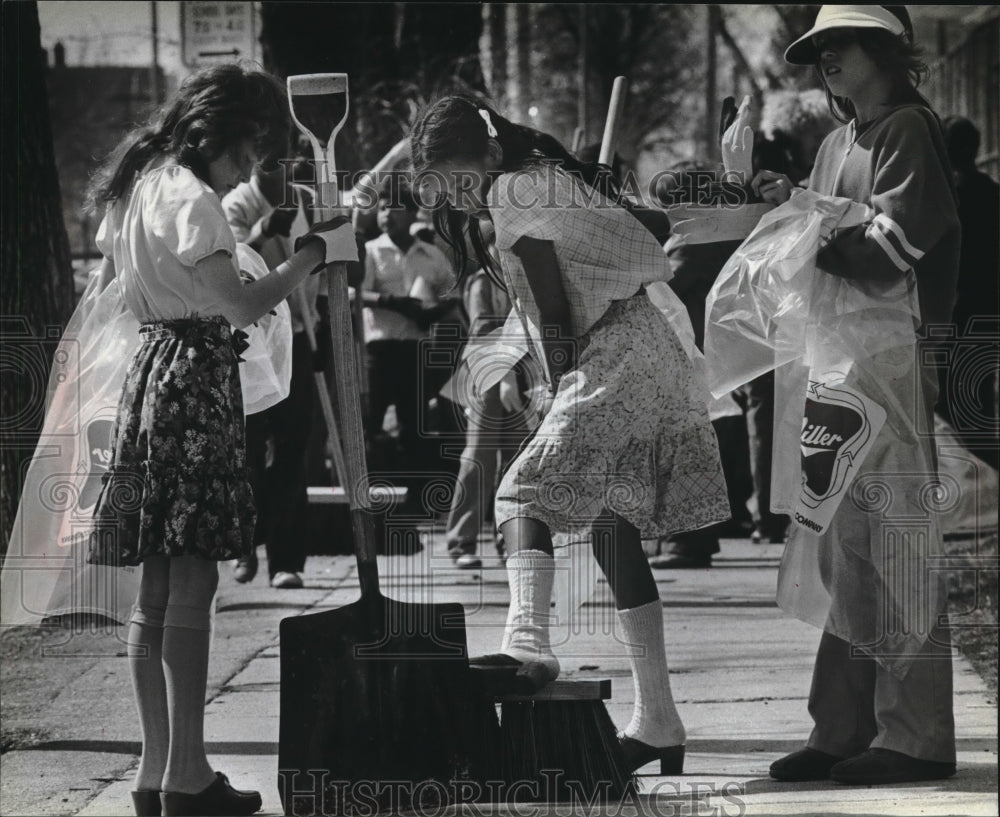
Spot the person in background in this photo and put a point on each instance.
(974, 415)
(496, 428)
(406, 279)
(696, 266)
(268, 212)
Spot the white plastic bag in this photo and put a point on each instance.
(45, 572)
(827, 339)
(266, 368)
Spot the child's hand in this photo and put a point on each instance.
(773, 187)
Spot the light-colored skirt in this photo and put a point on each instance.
(624, 435)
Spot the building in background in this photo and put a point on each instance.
(91, 107)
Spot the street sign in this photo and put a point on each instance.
(213, 32)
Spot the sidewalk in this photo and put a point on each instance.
(740, 671)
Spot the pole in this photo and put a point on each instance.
(581, 78)
(154, 68)
(711, 67)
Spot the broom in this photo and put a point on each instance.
(560, 744)
(375, 706)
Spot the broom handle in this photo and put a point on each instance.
(349, 407)
(615, 108)
(332, 432)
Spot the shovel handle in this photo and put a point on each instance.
(355, 474)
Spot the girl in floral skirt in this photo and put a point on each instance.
(175, 498)
(625, 450)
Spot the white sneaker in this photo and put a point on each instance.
(286, 581)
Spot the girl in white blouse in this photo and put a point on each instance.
(175, 498)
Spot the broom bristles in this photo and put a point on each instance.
(561, 751)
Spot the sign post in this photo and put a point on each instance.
(213, 32)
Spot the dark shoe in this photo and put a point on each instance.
(245, 569)
(638, 754)
(218, 800)
(674, 561)
(880, 766)
(147, 803)
(805, 764)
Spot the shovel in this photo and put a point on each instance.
(375, 696)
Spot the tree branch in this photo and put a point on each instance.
(739, 56)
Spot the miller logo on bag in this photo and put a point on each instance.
(839, 427)
(97, 457)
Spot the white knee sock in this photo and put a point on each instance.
(530, 575)
(654, 719)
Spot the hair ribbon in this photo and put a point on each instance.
(490, 130)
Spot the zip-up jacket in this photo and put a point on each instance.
(898, 165)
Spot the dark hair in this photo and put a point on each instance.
(895, 55)
(395, 189)
(453, 128)
(213, 110)
(962, 138)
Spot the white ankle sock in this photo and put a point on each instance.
(654, 719)
(530, 575)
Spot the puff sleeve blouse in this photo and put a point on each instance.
(156, 235)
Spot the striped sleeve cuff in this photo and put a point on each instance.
(891, 238)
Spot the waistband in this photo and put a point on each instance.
(216, 326)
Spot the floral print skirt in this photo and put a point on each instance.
(624, 434)
(177, 484)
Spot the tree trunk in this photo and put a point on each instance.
(36, 281)
(493, 50)
(711, 104)
(518, 61)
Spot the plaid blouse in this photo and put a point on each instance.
(604, 253)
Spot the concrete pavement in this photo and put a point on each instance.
(740, 671)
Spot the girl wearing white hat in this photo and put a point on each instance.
(881, 695)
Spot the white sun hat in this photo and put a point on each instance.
(803, 51)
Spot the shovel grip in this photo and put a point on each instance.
(346, 380)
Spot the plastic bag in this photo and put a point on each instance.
(266, 367)
(824, 336)
(45, 572)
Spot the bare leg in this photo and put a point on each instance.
(618, 550)
(145, 652)
(186, 638)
